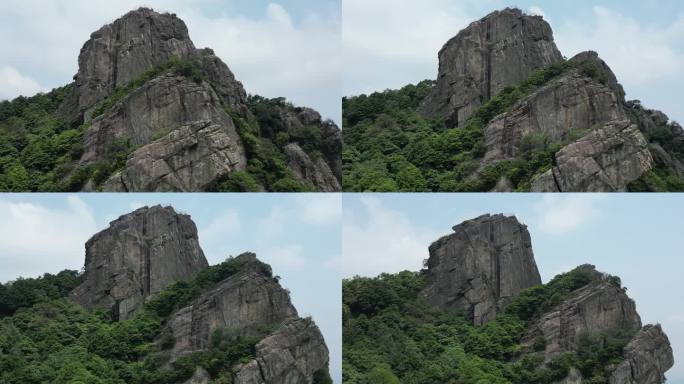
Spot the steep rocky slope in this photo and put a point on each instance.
(485, 261)
(148, 111)
(509, 112)
(139, 255)
(479, 313)
(139, 261)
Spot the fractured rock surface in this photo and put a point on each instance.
(140, 254)
(483, 264)
(501, 49)
(646, 358)
(605, 160)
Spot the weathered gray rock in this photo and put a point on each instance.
(501, 49)
(240, 303)
(605, 160)
(570, 104)
(188, 159)
(315, 172)
(597, 308)
(140, 254)
(223, 81)
(646, 358)
(121, 51)
(153, 110)
(481, 266)
(291, 355)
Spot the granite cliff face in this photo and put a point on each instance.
(146, 251)
(140, 254)
(501, 49)
(485, 261)
(583, 110)
(488, 261)
(142, 84)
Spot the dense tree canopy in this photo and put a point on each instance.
(391, 335)
(45, 338)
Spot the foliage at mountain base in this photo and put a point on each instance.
(391, 335)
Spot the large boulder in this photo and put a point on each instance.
(646, 358)
(313, 171)
(188, 159)
(291, 355)
(599, 308)
(605, 160)
(501, 49)
(570, 104)
(119, 52)
(140, 254)
(481, 266)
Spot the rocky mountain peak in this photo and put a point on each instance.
(501, 49)
(483, 264)
(138, 255)
(119, 52)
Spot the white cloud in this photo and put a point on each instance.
(564, 213)
(538, 11)
(637, 53)
(388, 44)
(273, 225)
(221, 226)
(320, 208)
(13, 84)
(37, 239)
(383, 240)
(272, 55)
(287, 257)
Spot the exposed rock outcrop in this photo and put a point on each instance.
(314, 171)
(181, 121)
(646, 358)
(119, 52)
(501, 49)
(573, 377)
(483, 264)
(605, 160)
(140, 254)
(570, 104)
(291, 355)
(187, 159)
(240, 303)
(597, 308)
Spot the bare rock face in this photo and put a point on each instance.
(240, 303)
(646, 358)
(574, 377)
(316, 172)
(605, 160)
(483, 264)
(597, 308)
(570, 104)
(188, 159)
(140, 254)
(501, 49)
(223, 81)
(119, 52)
(291, 355)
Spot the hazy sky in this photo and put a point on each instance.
(298, 234)
(285, 48)
(635, 236)
(390, 43)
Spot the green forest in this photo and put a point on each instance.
(46, 338)
(39, 150)
(389, 146)
(391, 336)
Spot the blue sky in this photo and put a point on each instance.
(635, 236)
(298, 234)
(388, 46)
(276, 48)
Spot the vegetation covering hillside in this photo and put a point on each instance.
(45, 338)
(389, 146)
(393, 336)
(39, 150)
